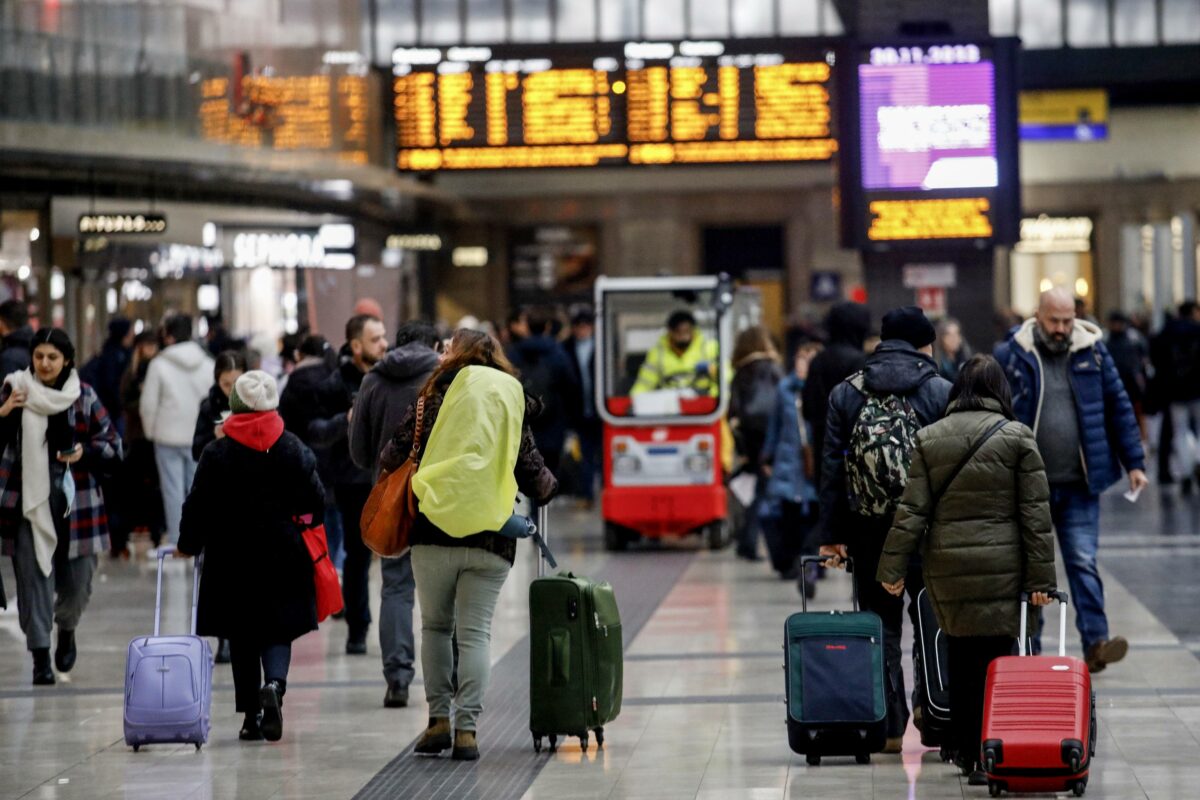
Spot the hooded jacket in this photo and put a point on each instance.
(211, 410)
(1108, 429)
(250, 487)
(177, 381)
(329, 432)
(848, 324)
(546, 374)
(989, 538)
(14, 350)
(386, 393)
(896, 367)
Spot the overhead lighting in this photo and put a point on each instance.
(23, 272)
(34, 234)
(336, 236)
(208, 234)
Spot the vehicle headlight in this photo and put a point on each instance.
(626, 464)
(698, 463)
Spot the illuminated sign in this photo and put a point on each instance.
(929, 146)
(327, 247)
(122, 223)
(594, 105)
(422, 242)
(469, 256)
(1045, 234)
(1079, 115)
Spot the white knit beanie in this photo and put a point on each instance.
(254, 391)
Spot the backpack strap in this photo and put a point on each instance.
(858, 381)
(937, 496)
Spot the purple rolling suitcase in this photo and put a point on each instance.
(168, 681)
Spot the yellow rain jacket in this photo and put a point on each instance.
(465, 484)
(664, 369)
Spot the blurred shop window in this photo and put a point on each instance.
(1003, 17)
(440, 23)
(711, 19)
(665, 18)
(530, 21)
(754, 18)
(1135, 23)
(1053, 252)
(1041, 24)
(1087, 23)
(485, 22)
(1181, 21)
(576, 19)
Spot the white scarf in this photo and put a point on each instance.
(41, 403)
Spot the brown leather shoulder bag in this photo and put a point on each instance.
(388, 516)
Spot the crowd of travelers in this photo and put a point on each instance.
(849, 435)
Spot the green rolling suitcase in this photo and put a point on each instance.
(575, 656)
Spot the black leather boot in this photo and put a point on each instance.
(43, 673)
(65, 653)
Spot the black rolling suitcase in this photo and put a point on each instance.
(834, 668)
(931, 662)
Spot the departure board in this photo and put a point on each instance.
(640, 103)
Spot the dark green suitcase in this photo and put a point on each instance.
(576, 657)
(834, 679)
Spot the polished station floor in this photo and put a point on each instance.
(703, 714)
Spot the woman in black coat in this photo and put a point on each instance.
(251, 491)
(228, 367)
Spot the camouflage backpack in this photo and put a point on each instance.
(880, 451)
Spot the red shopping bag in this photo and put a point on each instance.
(325, 578)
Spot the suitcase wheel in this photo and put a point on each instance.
(996, 788)
(946, 754)
(137, 747)
(584, 741)
(198, 746)
(1080, 787)
(862, 758)
(599, 738)
(553, 743)
(813, 760)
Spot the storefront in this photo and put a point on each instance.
(1053, 252)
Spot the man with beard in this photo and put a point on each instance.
(1066, 387)
(366, 344)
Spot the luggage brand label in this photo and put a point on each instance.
(835, 647)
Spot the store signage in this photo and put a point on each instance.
(925, 276)
(111, 223)
(469, 256)
(932, 300)
(1078, 115)
(422, 242)
(929, 146)
(1046, 234)
(277, 250)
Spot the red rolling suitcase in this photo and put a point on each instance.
(1039, 718)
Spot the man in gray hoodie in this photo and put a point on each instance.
(386, 393)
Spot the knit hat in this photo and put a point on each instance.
(254, 391)
(909, 324)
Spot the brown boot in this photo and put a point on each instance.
(465, 748)
(1109, 651)
(436, 737)
(895, 744)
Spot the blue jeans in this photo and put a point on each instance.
(334, 535)
(253, 664)
(1076, 515)
(176, 468)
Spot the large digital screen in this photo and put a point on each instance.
(931, 153)
(639, 103)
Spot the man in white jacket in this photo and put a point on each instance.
(177, 380)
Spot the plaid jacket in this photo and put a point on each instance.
(101, 451)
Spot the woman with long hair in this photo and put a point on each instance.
(752, 397)
(57, 440)
(214, 409)
(983, 543)
(476, 451)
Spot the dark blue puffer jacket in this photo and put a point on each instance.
(1107, 426)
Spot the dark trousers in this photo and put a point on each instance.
(969, 659)
(865, 548)
(788, 531)
(350, 501)
(253, 664)
(591, 457)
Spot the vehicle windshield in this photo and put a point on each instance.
(662, 353)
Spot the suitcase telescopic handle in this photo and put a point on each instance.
(1063, 600)
(542, 531)
(163, 553)
(821, 560)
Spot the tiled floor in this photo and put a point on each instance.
(703, 714)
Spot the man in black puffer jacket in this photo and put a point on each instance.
(387, 391)
(901, 369)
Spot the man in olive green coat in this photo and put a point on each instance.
(983, 542)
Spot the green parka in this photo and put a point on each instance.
(989, 539)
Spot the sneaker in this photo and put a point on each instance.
(465, 748)
(1108, 651)
(65, 653)
(271, 697)
(396, 697)
(894, 745)
(435, 739)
